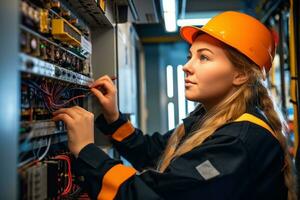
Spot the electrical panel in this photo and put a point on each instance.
(55, 64)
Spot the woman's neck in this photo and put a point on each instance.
(211, 103)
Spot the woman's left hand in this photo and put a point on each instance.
(80, 125)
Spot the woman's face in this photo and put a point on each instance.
(209, 73)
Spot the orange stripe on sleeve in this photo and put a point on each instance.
(123, 132)
(113, 179)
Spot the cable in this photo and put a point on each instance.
(34, 85)
(68, 101)
(52, 93)
(70, 181)
(25, 162)
(46, 151)
(75, 194)
(33, 159)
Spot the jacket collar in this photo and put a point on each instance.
(194, 117)
(197, 114)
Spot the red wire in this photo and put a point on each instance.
(69, 186)
(68, 101)
(53, 94)
(70, 181)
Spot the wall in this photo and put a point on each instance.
(157, 57)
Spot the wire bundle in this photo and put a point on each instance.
(68, 188)
(37, 157)
(52, 94)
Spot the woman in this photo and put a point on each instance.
(231, 147)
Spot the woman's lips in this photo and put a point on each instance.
(189, 82)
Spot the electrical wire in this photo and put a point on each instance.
(53, 93)
(25, 162)
(70, 180)
(34, 85)
(46, 151)
(34, 158)
(76, 193)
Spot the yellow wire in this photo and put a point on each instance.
(293, 74)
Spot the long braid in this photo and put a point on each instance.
(278, 126)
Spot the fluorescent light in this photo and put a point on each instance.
(181, 95)
(170, 81)
(169, 10)
(169, 5)
(171, 115)
(192, 22)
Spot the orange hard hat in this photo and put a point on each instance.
(240, 31)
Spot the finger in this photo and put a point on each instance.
(96, 82)
(69, 111)
(106, 77)
(63, 117)
(82, 111)
(102, 84)
(78, 108)
(106, 88)
(110, 79)
(102, 79)
(98, 94)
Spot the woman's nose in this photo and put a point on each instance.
(187, 68)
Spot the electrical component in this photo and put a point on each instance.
(66, 14)
(54, 172)
(24, 8)
(86, 47)
(65, 32)
(34, 44)
(55, 66)
(43, 50)
(55, 5)
(34, 178)
(24, 41)
(73, 21)
(44, 21)
(50, 53)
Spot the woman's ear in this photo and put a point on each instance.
(239, 78)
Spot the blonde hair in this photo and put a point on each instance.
(253, 92)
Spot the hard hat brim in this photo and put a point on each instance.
(188, 33)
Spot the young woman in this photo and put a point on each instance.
(231, 146)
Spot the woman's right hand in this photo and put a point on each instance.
(106, 92)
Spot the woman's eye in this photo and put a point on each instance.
(203, 58)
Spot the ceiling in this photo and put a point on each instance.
(195, 9)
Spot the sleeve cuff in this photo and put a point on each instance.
(94, 156)
(109, 129)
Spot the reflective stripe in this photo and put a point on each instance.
(255, 120)
(113, 179)
(123, 132)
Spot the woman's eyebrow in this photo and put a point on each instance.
(202, 49)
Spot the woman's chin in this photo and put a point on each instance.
(190, 96)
